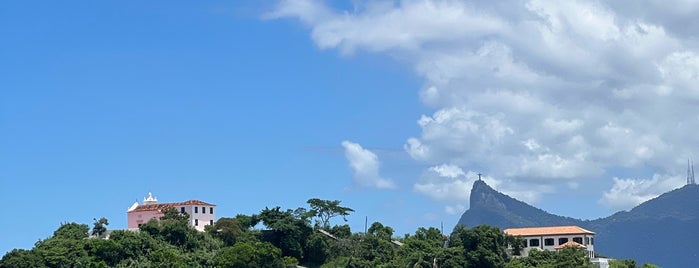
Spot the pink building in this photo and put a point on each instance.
(200, 213)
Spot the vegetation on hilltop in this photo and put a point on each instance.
(287, 239)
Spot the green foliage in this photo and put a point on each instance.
(375, 246)
(379, 230)
(62, 252)
(566, 258)
(20, 258)
(341, 231)
(622, 264)
(246, 254)
(287, 240)
(628, 263)
(226, 229)
(71, 231)
(109, 251)
(99, 227)
(485, 246)
(316, 249)
(286, 231)
(517, 244)
(172, 213)
(246, 222)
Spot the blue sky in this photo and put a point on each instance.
(581, 108)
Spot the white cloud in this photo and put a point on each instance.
(449, 183)
(446, 183)
(627, 193)
(365, 165)
(537, 93)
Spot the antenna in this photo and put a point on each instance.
(693, 181)
(690, 172)
(366, 221)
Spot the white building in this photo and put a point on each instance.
(554, 238)
(200, 213)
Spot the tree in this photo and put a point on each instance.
(99, 226)
(517, 244)
(246, 222)
(326, 210)
(565, 258)
(316, 250)
(63, 252)
(106, 250)
(341, 231)
(71, 231)
(226, 229)
(286, 231)
(249, 255)
(485, 246)
(172, 213)
(423, 248)
(20, 258)
(379, 230)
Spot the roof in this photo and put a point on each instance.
(571, 244)
(551, 230)
(324, 232)
(161, 206)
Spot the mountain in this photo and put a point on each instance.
(663, 230)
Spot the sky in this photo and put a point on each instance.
(582, 108)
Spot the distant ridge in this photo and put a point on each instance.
(663, 230)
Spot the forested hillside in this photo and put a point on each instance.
(280, 238)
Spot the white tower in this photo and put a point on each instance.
(150, 199)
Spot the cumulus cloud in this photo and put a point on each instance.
(540, 93)
(627, 193)
(365, 165)
(446, 182)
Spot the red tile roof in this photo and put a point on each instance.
(161, 206)
(552, 230)
(571, 244)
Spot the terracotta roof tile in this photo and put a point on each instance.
(161, 206)
(571, 244)
(551, 230)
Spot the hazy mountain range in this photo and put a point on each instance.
(662, 231)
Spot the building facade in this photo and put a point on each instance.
(200, 213)
(555, 238)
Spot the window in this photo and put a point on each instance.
(196, 222)
(548, 242)
(577, 240)
(203, 210)
(211, 210)
(592, 240)
(196, 209)
(182, 210)
(562, 241)
(587, 240)
(211, 222)
(534, 242)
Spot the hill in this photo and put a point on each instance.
(661, 230)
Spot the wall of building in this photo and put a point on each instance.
(200, 215)
(587, 241)
(135, 218)
(197, 219)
